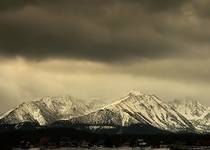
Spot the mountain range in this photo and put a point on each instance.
(133, 109)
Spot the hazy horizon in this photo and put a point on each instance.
(103, 49)
(104, 100)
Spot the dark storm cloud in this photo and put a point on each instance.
(153, 4)
(165, 44)
(95, 30)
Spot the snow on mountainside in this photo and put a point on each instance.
(137, 108)
(195, 112)
(96, 104)
(47, 110)
(190, 108)
(134, 108)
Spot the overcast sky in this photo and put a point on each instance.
(104, 48)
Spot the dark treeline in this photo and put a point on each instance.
(70, 137)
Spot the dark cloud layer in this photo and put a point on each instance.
(103, 48)
(154, 5)
(97, 29)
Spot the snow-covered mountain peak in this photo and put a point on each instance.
(47, 110)
(133, 108)
(135, 93)
(190, 108)
(61, 104)
(193, 111)
(146, 109)
(135, 97)
(138, 97)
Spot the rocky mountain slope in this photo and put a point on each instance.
(195, 112)
(47, 110)
(135, 108)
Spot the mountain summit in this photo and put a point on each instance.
(135, 108)
(47, 110)
(194, 111)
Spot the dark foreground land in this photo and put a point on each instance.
(69, 137)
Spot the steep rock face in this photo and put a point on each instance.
(46, 110)
(26, 112)
(135, 108)
(195, 112)
(105, 117)
(138, 108)
(189, 108)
